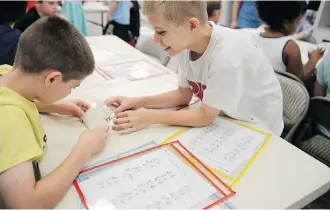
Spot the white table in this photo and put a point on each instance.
(281, 177)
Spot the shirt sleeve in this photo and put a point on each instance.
(17, 141)
(320, 74)
(182, 78)
(224, 89)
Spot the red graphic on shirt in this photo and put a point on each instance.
(197, 88)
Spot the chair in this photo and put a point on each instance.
(309, 83)
(317, 145)
(146, 45)
(295, 104)
(291, 76)
(166, 60)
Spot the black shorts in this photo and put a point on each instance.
(122, 31)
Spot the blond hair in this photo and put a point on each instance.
(176, 11)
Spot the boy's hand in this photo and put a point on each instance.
(315, 55)
(93, 141)
(76, 108)
(123, 103)
(130, 121)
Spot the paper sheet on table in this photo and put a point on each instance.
(122, 87)
(156, 179)
(104, 56)
(133, 70)
(308, 47)
(223, 145)
(224, 205)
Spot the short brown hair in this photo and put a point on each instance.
(212, 6)
(176, 11)
(54, 43)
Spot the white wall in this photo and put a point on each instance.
(225, 17)
(322, 23)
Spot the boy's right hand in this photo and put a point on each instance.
(315, 55)
(93, 141)
(124, 103)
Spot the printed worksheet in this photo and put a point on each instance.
(156, 180)
(133, 70)
(223, 145)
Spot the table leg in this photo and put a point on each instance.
(102, 21)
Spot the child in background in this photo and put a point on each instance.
(305, 30)
(74, 11)
(280, 48)
(52, 58)
(10, 12)
(244, 14)
(224, 69)
(134, 23)
(41, 9)
(30, 4)
(118, 20)
(213, 11)
(322, 85)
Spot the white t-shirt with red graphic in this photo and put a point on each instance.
(235, 76)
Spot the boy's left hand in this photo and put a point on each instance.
(133, 120)
(76, 108)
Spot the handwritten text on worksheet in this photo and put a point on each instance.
(155, 180)
(223, 145)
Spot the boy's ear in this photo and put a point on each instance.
(193, 23)
(53, 77)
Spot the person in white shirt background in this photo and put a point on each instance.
(277, 42)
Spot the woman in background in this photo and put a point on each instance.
(134, 23)
(245, 15)
(74, 12)
(305, 29)
(118, 20)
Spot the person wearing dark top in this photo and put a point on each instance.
(314, 5)
(305, 29)
(134, 25)
(42, 8)
(10, 12)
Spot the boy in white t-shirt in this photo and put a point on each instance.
(228, 72)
